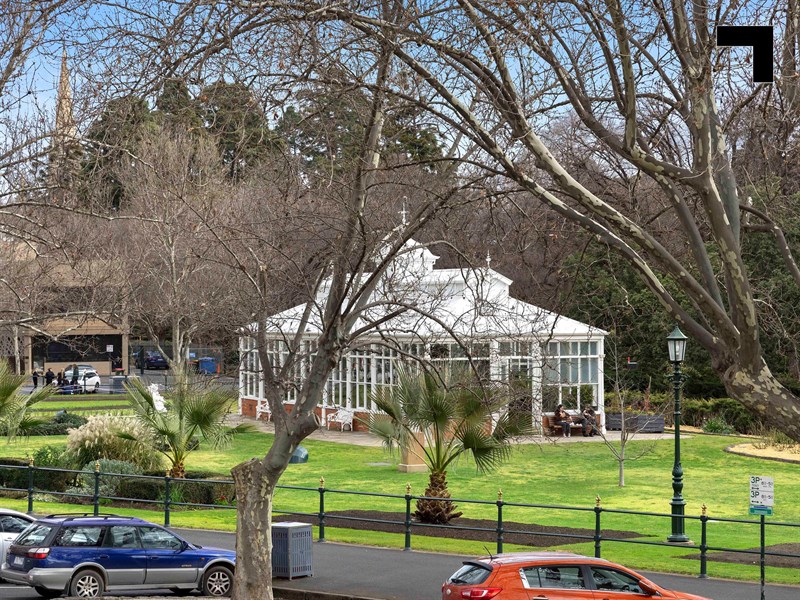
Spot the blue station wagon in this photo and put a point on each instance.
(85, 556)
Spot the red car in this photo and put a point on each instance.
(551, 576)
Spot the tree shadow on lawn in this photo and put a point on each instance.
(523, 534)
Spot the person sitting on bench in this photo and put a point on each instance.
(562, 418)
(588, 421)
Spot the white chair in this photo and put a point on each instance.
(262, 408)
(343, 416)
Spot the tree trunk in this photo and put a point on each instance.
(621, 463)
(178, 471)
(438, 512)
(762, 393)
(254, 489)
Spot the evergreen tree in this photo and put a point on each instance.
(234, 117)
(114, 137)
(177, 107)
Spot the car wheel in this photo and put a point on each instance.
(96, 387)
(218, 581)
(45, 592)
(86, 584)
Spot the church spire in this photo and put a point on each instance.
(65, 147)
(65, 120)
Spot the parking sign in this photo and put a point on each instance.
(762, 495)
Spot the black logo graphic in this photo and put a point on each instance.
(759, 37)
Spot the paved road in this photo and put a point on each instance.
(383, 574)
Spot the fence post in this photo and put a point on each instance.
(703, 541)
(167, 497)
(408, 518)
(30, 485)
(321, 509)
(499, 521)
(597, 530)
(96, 497)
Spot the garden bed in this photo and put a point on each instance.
(538, 536)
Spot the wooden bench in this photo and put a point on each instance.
(549, 427)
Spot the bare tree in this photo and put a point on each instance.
(641, 79)
(176, 287)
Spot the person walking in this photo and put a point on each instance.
(74, 380)
(49, 376)
(35, 377)
(60, 379)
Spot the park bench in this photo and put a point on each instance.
(549, 427)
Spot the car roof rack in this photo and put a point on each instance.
(71, 516)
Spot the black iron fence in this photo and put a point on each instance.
(167, 502)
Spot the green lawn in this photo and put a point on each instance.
(84, 404)
(560, 474)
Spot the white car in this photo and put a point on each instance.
(12, 523)
(88, 379)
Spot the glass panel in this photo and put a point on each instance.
(457, 351)
(574, 371)
(156, 538)
(552, 349)
(34, 536)
(504, 349)
(609, 579)
(585, 370)
(12, 524)
(439, 351)
(564, 371)
(593, 347)
(564, 347)
(593, 370)
(550, 371)
(121, 536)
(480, 350)
(584, 348)
(562, 577)
(79, 536)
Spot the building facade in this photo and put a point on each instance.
(462, 320)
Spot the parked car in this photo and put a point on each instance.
(553, 575)
(12, 523)
(85, 556)
(152, 360)
(88, 380)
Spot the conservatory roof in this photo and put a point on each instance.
(472, 303)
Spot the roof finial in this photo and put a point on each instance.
(404, 212)
(488, 259)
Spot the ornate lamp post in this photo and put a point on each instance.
(676, 344)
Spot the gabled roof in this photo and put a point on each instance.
(472, 303)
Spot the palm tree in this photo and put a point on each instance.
(453, 419)
(186, 414)
(14, 418)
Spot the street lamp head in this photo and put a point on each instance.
(676, 344)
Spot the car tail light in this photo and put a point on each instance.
(473, 593)
(38, 552)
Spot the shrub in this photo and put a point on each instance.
(14, 478)
(99, 438)
(181, 490)
(109, 484)
(72, 419)
(55, 457)
(141, 489)
(717, 425)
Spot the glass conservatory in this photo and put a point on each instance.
(461, 319)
